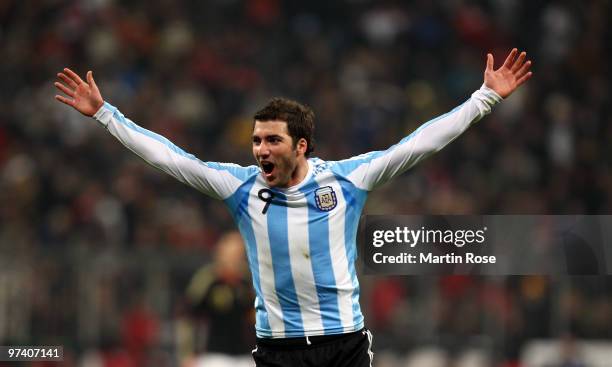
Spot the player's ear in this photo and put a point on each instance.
(301, 146)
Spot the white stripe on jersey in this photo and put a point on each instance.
(301, 266)
(337, 248)
(264, 258)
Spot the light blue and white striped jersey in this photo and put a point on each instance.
(301, 241)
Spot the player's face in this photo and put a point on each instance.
(275, 153)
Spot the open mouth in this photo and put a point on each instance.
(267, 167)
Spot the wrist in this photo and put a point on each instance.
(97, 106)
(100, 111)
(490, 92)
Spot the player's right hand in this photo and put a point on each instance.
(511, 75)
(84, 97)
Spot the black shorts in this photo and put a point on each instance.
(342, 350)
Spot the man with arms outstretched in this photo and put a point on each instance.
(299, 215)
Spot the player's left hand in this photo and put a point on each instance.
(511, 75)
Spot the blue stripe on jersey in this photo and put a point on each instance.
(238, 207)
(345, 167)
(322, 268)
(241, 173)
(355, 200)
(281, 263)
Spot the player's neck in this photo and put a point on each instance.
(300, 172)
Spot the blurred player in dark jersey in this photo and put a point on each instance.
(220, 295)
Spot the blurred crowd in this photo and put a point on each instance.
(86, 228)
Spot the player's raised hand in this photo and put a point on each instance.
(510, 76)
(83, 97)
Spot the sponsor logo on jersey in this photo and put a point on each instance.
(325, 198)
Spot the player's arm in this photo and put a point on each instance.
(215, 179)
(372, 169)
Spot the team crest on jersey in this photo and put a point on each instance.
(325, 198)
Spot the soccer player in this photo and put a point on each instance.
(221, 293)
(298, 215)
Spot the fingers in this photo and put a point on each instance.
(490, 62)
(64, 89)
(90, 80)
(523, 79)
(72, 75)
(510, 58)
(69, 102)
(519, 62)
(523, 70)
(67, 80)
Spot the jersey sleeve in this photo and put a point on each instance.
(218, 180)
(369, 170)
